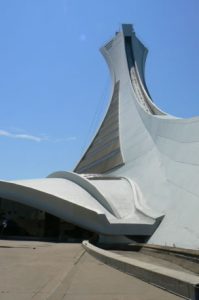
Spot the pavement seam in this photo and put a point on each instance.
(66, 280)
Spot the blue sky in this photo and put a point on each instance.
(54, 83)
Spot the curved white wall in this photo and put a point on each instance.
(161, 153)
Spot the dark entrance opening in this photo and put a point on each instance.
(21, 221)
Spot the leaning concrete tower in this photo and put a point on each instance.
(159, 152)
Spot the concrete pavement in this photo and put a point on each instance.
(38, 270)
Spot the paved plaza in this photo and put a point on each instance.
(55, 271)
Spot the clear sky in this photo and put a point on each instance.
(54, 83)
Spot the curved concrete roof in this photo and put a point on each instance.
(82, 206)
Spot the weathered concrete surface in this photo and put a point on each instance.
(38, 270)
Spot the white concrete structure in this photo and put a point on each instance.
(140, 175)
